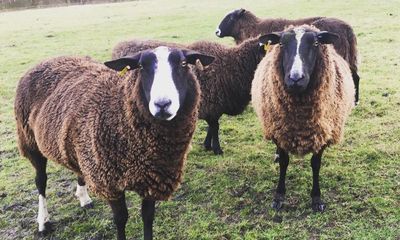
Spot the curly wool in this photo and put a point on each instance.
(84, 116)
(304, 123)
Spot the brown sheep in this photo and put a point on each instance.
(115, 133)
(225, 85)
(302, 93)
(242, 24)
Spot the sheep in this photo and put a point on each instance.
(116, 134)
(242, 24)
(225, 85)
(302, 93)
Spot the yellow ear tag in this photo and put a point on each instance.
(123, 71)
(267, 46)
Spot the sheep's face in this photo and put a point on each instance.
(227, 25)
(164, 77)
(299, 50)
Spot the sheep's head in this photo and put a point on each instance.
(164, 76)
(299, 48)
(227, 25)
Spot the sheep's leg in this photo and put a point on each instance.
(316, 202)
(82, 194)
(215, 138)
(148, 208)
(207, 140)
(279, 197)
(40, 163)
(120, 214)
(356, 80)
(276, 155)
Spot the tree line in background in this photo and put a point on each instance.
(15, 4)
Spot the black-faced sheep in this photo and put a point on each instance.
(302, 93)
(116, 134)
(225, 85)
(242, 24)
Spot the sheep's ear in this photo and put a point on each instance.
(121, 63)
(192, 56)
(272, 38)
(241, 12)
(325, 37)
(266, 40)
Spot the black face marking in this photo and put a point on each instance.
(226, 26)
(179, 70)
(148, 63)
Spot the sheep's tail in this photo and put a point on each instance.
(353, 58)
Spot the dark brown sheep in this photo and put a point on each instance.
(225, 85)
(302, 98)
(115, 133)
(242, 24)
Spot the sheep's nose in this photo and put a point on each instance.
(163, 104)
(295, 77)
(218, 32)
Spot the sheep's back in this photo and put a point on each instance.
(266, 26)
(53, 93)
(222, 89)
(129, 48)
(346, 44)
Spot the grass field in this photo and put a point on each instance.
(222, 197)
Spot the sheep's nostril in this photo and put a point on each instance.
(296, 77)
(163, 104)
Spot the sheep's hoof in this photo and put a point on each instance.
(48, 228)
(207, 146)
(89, 206)
(277, 203)
(218, 151)
(317, 205)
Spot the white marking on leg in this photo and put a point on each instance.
(83, 196)
(163, 87)
(43, 215)
(297, 67)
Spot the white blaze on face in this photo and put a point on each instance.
(297, 67)
(43, 215)
(163, 88)
(83, 196)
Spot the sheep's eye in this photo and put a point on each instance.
(184, 64)
(140, 66)
(280, 44)
(316, 43)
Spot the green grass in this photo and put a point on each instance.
(224, 197)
